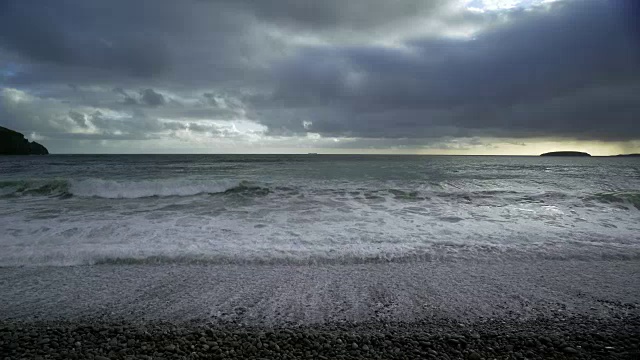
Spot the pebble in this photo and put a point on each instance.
(474, 356)
(382, 341)
(570, 350)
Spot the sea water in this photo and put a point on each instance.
(65, 210)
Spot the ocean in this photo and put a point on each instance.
(68, 210)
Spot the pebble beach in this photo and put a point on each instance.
(361, 311)
(575, 339)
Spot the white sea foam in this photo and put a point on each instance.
(297, 212)
(343, 227)
(117, 189)
(113, 189)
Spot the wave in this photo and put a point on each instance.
(487, 253)
(34, 187)
(628, 197)
(438, 253)
(113, 189)
(110, 189)
(182, 187)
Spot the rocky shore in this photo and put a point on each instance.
(577, 338)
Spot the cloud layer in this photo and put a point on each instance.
(386, 74)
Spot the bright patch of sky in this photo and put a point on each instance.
(496, 5)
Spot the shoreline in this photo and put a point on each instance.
(269, 295)
(449, 310)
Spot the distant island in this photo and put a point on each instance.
(14, 143)
(566, 153)
(628, 155)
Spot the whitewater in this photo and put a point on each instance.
(315, 209)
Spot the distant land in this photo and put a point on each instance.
(583, 154)
(566, 153)
(14, 143)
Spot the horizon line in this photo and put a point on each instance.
(333, 154)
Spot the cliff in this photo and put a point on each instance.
(14, 143)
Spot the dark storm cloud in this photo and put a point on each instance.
(212, 99)
(82, 35)
(151, 97)
(128, 43)
(79, 118)
(155, 42)
(568, 70)
(127, 99)
(334, 15)
(571, 71)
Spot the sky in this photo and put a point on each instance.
(296, 76)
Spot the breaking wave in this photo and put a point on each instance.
(181, 187)
(440, 255)
(315, 256)
(112, 189)
(631, 198)
(34, 188)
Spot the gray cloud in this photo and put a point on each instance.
(379, 72)
(560, 72)
(126, 43)
(127, 98)
(336, 15)
(79, 118)
(52, 34)
(151, 97)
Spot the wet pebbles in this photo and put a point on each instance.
(541, 339)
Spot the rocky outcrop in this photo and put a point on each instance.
(566, 153)
(14, 143)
